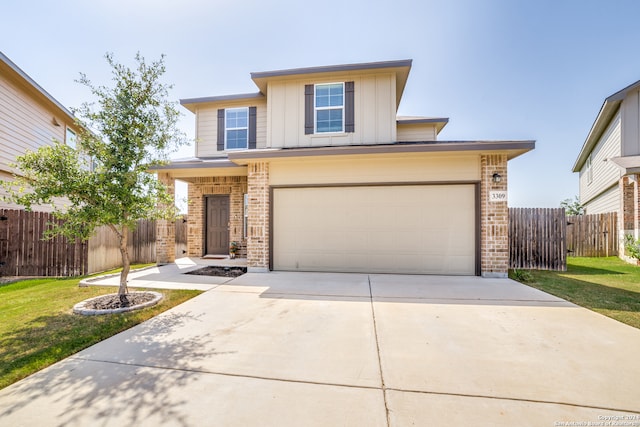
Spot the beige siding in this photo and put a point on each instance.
(364, 169)
(609, 201)
(207, 125)
(604, 173)
(631, 124)
(417, 132)
(26, 124)
(374, 108)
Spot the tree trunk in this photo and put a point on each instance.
(126, 264)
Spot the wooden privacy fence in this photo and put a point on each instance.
(592, 235)
(537, 238)
(24, 253)
(104, 247)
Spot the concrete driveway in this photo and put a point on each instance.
(320, 349)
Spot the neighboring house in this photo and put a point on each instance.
(609, 162)
(315, 172)
(29, 118)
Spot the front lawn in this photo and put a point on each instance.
(608, 286)
(38, 328)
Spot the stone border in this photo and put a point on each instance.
(79, 308)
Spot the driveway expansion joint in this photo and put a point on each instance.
(375, 333)
(512, 399)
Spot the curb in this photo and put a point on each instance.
(79, 308)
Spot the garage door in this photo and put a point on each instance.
(427, 229)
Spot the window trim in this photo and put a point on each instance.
(68, 131)
(227, 129)
(589, 170)
(316, 109)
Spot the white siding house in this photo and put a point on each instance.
(609, 162)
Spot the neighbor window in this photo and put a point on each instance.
(71, 138)
(236, 128)
(589, 170)
(329, 107)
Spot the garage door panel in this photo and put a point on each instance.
(395, 229)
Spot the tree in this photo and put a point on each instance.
(572, 206)
(131, 128)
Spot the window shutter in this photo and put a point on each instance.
(308, 110)
(252, 127)
(349, 125)
(221, 129)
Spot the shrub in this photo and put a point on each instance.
(632, 246)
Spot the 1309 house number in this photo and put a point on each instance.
(497, 196)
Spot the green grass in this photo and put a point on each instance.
(608, 286)
(38, 328)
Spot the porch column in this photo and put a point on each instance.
(165, 229)
(258, 217)
(494, 217)
(195, 221)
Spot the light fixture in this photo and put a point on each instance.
(497, 177)
(55, 122)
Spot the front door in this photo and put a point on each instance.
(217, 241)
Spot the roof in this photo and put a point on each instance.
(332, 69)
(440, 122)
(512, 148)
(190, 103)
(6, 63)
(628, 164)
(608, 110)
(401, 68)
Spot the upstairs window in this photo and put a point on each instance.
(236, 128)
(70, 138)
(329, 107)
(589, 171)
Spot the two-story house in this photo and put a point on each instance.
(29, 118)
(609, 162)
(315, 172)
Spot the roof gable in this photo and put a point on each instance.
(607, 112)
(7, 66)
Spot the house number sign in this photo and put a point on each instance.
(497, 196)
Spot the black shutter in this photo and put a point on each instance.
(308, 110)
(221, 129)
(349, 125)
(252, 127)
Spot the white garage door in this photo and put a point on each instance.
(426, 229)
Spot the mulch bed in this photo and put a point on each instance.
(219, 271)
(110, 302)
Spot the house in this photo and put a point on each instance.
(315, 172)
(609, 162)
(29, 118)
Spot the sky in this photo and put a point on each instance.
(498, 69)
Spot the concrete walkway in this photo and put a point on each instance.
(314, 349)
(171, 276)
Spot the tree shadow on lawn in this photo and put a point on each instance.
(84, 388)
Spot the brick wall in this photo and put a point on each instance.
(629, 218)
(494, 227)
(199, 188)
(258, 235)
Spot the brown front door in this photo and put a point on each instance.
(217, 225)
